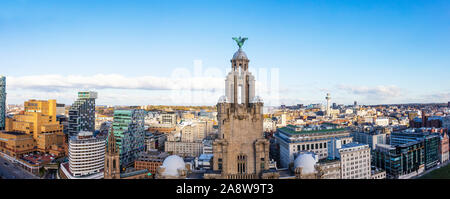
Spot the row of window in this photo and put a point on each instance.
(304, 147)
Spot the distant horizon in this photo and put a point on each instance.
(430, 103)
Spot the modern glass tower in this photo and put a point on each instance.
(128, 128)
(2, 102)
(82, 113)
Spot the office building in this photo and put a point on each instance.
(2, 102)
(14, 144)
(372, 138)
(150, 160)
(39, 120)
(430, 141)
(401, 161)
(113, 170)
(129, 131)
(355, 161)
(82, 113)
(184, 149)
(443, 148)
(86, 156)
(60, 109)
(168, 118)
(294, 139)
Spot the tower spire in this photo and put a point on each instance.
(112, 147)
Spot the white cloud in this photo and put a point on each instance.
(115, 89)
(114, 81)
(381, 91)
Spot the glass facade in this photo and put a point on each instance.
(399, 160)
(128, 128)
(2, 102)
(429, 141)
(82, 113)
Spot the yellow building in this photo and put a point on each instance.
(16, 143)
(39, 120)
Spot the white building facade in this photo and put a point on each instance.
(355, 161)
(86, 154)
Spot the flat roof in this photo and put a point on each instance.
(133, 173)
(353, 144)
(290, 131)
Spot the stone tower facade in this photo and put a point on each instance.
(241, 151)
(112, 159)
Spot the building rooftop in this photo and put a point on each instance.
(291, 131)
(133, 173)
(37, 158)
(385, 146)
(353, 144)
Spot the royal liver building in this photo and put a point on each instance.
(241, 151)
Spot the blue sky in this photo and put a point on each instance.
(370, 51)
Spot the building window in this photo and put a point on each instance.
(241, 163)
(219, 163)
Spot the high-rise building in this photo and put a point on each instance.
(328, 110)
(129, 131)
(112, 163)
(2, 102)
(86, 156)
(82, 113)
(241, 151)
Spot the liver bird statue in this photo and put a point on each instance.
(240, 41)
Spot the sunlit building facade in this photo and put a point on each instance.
(129, 131)
(39, 120)
(2, 102)
(82, 113)
(87, 155)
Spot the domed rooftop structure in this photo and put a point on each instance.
(307, 161)
(172, 164)
(240, 54)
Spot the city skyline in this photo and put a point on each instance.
(373, 53)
